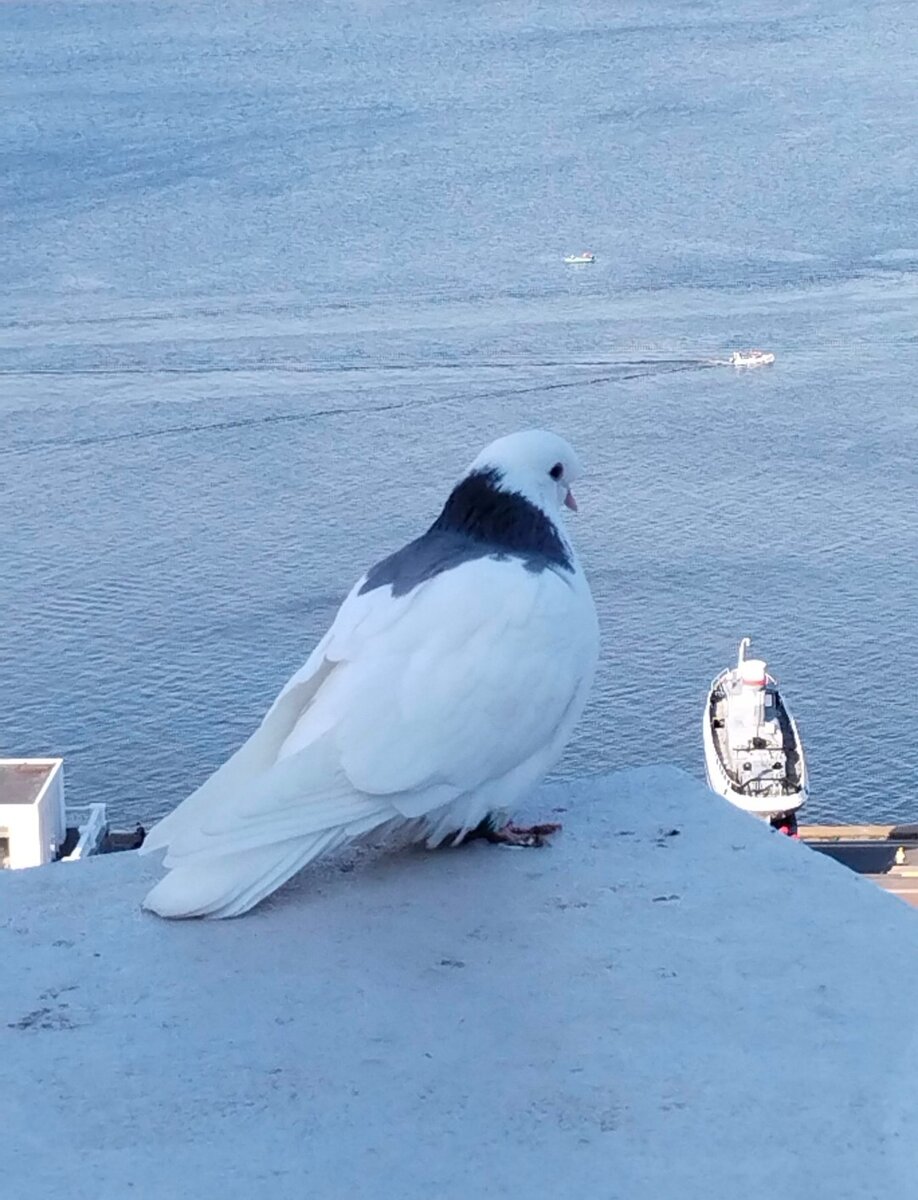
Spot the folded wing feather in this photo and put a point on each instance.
(407, 705)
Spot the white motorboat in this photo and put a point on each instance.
(752, 749)
(751, 358)
(578, 259)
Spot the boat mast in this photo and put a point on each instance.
(743, 646)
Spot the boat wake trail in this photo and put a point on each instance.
(624, 372)
(301, 368)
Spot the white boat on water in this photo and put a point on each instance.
(752, 749)
(577, 259)
(751, 358)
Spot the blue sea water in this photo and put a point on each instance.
(271, 275)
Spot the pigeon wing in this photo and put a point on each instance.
(407, 704)
(477, 677)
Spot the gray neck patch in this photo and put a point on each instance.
(478, 521)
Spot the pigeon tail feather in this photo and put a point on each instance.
(228, 885)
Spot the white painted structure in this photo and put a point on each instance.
(33, 821)
(92, 828)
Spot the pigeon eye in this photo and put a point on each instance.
(557, 471)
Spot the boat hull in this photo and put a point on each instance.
(774, 804)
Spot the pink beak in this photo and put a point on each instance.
(569, 501)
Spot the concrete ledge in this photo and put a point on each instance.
(634, 1013)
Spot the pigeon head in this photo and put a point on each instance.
(534, 464)
(507, 506)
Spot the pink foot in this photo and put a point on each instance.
(522, 835)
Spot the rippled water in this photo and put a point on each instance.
(271, 281)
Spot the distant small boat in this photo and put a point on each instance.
(751, 358)
(584, 257)
(752, 749)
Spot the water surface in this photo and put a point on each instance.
(272, 277)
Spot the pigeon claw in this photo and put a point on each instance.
(522, 835)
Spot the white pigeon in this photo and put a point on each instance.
(447, 686)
